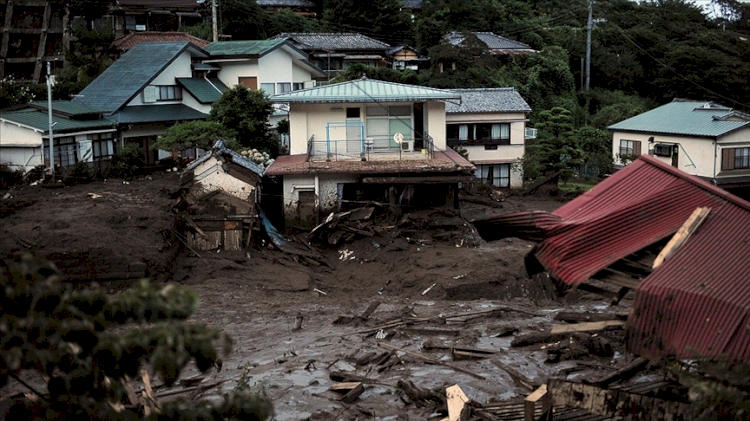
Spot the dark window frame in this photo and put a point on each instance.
(478, 134)
(168, 90)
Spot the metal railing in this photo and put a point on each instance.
(364, 149)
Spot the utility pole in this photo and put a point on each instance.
(215, 25)
(51, 124)
(589, 26)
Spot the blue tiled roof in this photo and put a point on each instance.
(367, 90)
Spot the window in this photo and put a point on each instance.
(383, 122)
(296, 86)
(735, 158)
(352, 113)
(630, 147)
(248, 81)
(284, 87)
(65, 151)
(169, 93)
(494, 175)
(268, 88)
(479, 134)
(102, 144)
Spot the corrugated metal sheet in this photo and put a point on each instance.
(697, 303)
(366, 90)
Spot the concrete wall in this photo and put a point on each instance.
(696, 155)
(193, 103)
(435, 123)
(325, 187)
(275, 67)
(20, 158)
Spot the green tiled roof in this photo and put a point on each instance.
(114, 88)
(39, 120)
(157, 114)
(366, 90)
(686, 118)
(205, 91)
(66, 107)
(242, 48)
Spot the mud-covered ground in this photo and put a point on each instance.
(256, 296)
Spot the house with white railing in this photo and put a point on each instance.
(367, 141)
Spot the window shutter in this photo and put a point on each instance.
(149, 94)
(727, 159)
(637, 147)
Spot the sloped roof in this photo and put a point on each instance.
(488, 100)
(205, 91)
(285, 3)
(243, 48)
(447, 161)
(494, 42)
(221, 149)
(412, 4)
(684, 118)
(332, 41)
(157, 114)
(130, 40)
(39, 120)
(66, 108)
(127, 76)
(366, 90)
(697, 303)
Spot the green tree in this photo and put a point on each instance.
(357, 70)
(246, 112)
(287, 21)
(89, 9)
(380, 19)
(555, 147)
(86, 344)
(244, 19)
(87, 57)
(195, 134)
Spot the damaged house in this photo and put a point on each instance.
(678, 241)
(220, 193)
(367, 142)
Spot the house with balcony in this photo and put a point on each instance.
(367, 140)
(334, 52)
(702, 138)
(490, 124)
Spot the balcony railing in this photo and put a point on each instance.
(371, 148)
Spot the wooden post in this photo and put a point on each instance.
(529, 404)
(683, 234)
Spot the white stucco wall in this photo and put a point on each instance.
(180, 67)
(210, 176)
(275, 67)
(325, 187)
(231, 71)
(435, 123)
(193, 103)
(20, 147)
(696, 155)
(11, 134)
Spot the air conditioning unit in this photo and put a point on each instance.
(530, 133)
(661, 149)
(407, 145)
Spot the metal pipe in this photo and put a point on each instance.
(51, 124)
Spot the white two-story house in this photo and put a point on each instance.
(367, 140)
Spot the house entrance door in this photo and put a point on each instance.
(308, 217)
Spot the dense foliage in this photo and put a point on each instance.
(83, 346)
(246, 112)
(194, 134)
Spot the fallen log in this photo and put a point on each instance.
(624, 373)
(588, 327)
(517, 377)
(369, 310)
(575, 317)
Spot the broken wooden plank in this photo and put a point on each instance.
(467, 355)
(536, 338)
(624, 373)
(431, 360)
(343, 387)
(517, 377)
(353, 394)
(458, 410)
(569, 316)
(369, 310)
(682, 235)
(588, 327)
(529, 404)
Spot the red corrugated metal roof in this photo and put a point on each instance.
(129, 41)
(697, 303)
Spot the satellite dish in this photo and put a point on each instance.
(398, 137)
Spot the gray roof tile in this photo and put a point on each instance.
(114, 88)
(687, 118)
(333, 41)
(285, 3)
(488, 100)
(493, 41)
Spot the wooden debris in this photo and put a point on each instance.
(683, 234)
(617, 403)
(365, 359)
(517, 377)
(353, 394)
(536, 338)
(624, 373)
(370, 309)
(588, 327)
(344, 377)
(529, 405)
(458, 410)
(467, 355)
(201, 387)
(431, 360)
(419, 397)
(567, 316)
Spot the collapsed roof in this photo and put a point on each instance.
(697, 302)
